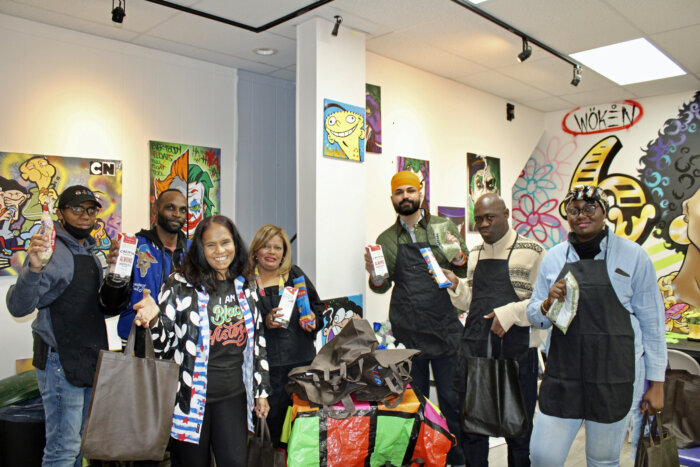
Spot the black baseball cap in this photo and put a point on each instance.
(76, 194)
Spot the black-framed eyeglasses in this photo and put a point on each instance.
(588, 210)
(79, 210)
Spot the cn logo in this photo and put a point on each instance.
(103, 168)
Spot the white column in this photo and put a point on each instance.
(331, 199)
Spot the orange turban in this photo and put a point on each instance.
(405, 177)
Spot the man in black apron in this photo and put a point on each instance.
(501, 274)
(421, 314)
(595, 371)
(69, 330)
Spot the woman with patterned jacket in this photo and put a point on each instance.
(208, 322)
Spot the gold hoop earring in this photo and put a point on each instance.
(678, 230)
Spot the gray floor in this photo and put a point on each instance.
(498, 456)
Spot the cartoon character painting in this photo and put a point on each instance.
(28, 182)
(484, 176)
(344, 131)
(194, 171)
(373, 106)
(336, 315)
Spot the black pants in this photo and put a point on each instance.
(224, 430)
(476, 447)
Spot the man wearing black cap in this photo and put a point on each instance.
(69, 330)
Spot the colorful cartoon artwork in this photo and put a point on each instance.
(373, 104)
(483, 176)
(343, 131)
(336, 315)
(194, 170)
(422, 169)
(28, 182)
(456, 215)
(652, 181)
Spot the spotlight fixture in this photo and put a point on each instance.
(577, 76)
(119, 12)
(336, 26)
(527, 51)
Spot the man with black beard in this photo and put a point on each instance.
(159, 251)
(421, 314)
(69, 329)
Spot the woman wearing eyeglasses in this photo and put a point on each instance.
(595, 372)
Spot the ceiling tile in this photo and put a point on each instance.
(503, 86)
(413, 52)
(548, 104)
(653, 16)
(681, 45)
(599, 96)
(665, 86)
(284, 73)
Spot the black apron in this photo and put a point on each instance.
(590, 369)
(78, 324)
(421, 314)
(491, 289)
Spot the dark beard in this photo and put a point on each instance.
(404, 210)
(165, 225)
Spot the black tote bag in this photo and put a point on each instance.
(261, 452)
(493, 403)
(658, 448)
(132, 403)
(681, 403)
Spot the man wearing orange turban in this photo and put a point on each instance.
(421, 314)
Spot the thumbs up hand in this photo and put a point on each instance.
(146, 310)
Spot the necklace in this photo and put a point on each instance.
(258, 281)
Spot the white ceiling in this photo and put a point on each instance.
(438, 36)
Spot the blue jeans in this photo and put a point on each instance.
(444, 374)
(552, 436)
(65, 410)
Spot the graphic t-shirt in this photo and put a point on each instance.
(227, 340)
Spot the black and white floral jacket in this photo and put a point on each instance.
(182, 334)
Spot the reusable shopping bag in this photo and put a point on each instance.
(132, 403)
(261, 452)
(493, 403)
(681, 404)
(658, 448)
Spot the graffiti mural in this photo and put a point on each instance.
(343, 131)
(652, 182)
(670, 170)
(483, 176)
(374, 118)
(336, 315)
(194, 170)
(28, 182)
(422, 169)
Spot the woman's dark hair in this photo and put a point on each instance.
(671, 167)
(195, 267)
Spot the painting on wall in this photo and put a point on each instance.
(374, 118)
(336, 315)
(651, 179)
(456, 215)
(343, 131)
(195, 171)
(422, 169)
(483, 176)
(30, 181)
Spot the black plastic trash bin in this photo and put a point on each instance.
(22, 436)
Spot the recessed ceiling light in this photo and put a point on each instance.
(265, 51)
(629, 62)
(475, 2)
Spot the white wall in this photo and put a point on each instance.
(72, 94)
(428, 117)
